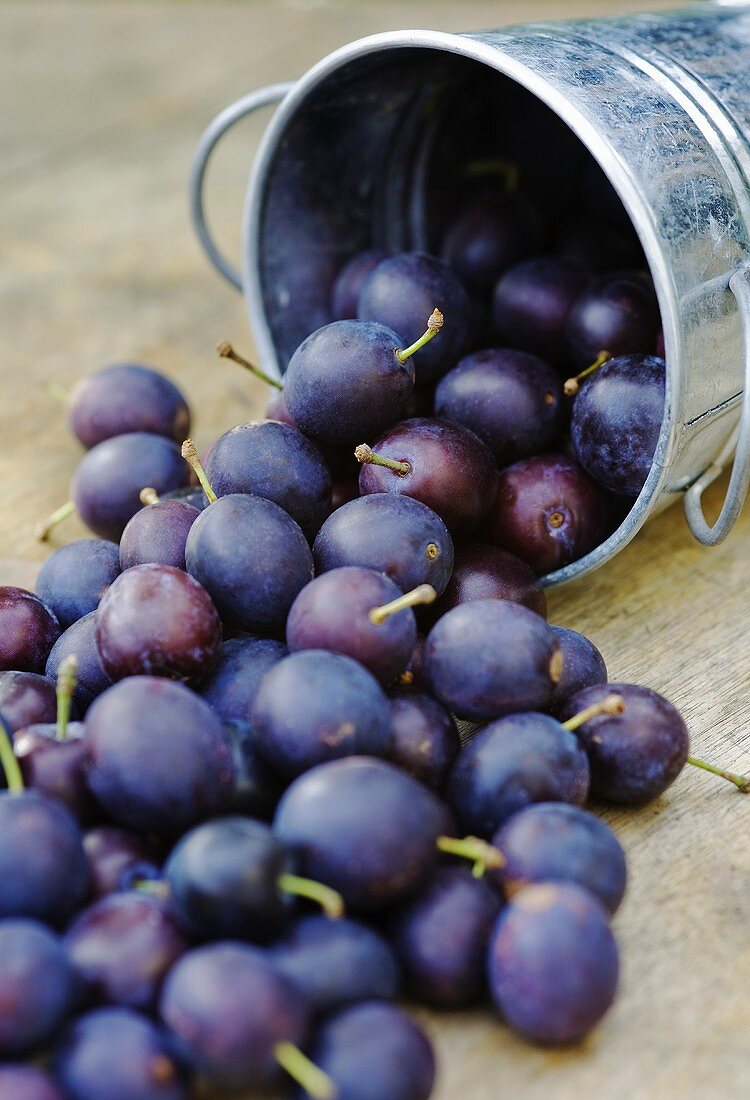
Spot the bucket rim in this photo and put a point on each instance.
(472, 46)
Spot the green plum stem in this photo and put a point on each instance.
(226, 351)
(54, 389)
(365, 455)
(573, 385)
(9, 763)
(44, 530)
(481, 854)
(67, 678)
(149, 495)
(422, 594)
(611, 705)
(330, 901)
(310, 1077)
(154, 887)
(741, 782)
(190, 454)
(434, 324)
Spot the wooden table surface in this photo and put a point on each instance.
(102, 105)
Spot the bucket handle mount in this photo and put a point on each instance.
(210, 138)
(737, 444)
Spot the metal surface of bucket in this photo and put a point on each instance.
(360, 147)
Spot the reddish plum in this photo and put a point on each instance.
(483, 572)
(548, 512)
(157, 534)
(354, 611)
(28, 630)
(349, 281)
(442, 464)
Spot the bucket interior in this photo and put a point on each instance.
(381, 153)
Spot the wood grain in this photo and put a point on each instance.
(103, 105)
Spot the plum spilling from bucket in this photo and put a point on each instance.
(238, 818)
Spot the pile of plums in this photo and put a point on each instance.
(239, 821)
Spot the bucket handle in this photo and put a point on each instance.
(210, 138)
(738, 443)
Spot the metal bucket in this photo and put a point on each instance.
(369, 144)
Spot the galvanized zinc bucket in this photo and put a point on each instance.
(366, 146)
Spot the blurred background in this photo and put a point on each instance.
(102, 105)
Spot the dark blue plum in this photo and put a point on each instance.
(115, 856)
(223, 878)
(257, 789)
(229, 1009)
(25, 699)
(548, 512)
(28, 630)
(156, 620)
(275, 461)
(482, 572)
(157, 534)
(395, 534)
(316, 706)
(490, 234)
(349, 281)
(553, 963)
(510, 399)
(424, 739)
(449, 469)
(413, 674)
(43, 868)
(157, 757)
(188, 494)
(333, 612)
(38, 986)
(600, 247)
(517, 760)
(617, 417)
(74, 578)
(557, 842)
(231, 686)
(363, 827)
(441, 938)
(492, 657)
(402, 292)
(252, 558)
(118, 1054)
(127, 398)
(80, 641)
(532, 302)
(582, 665)
(374, 1051)
(27, 1083)
(122, 947)
(617, 313)
(345, 383)
(337, 962)
(634, 755)
(106, 487)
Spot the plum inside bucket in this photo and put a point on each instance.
(423, 150)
